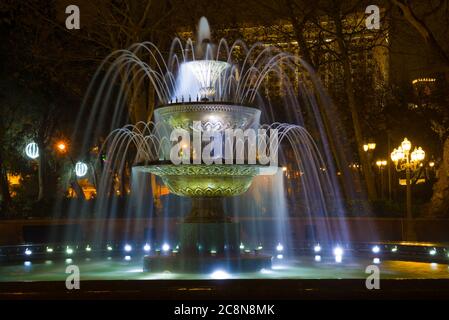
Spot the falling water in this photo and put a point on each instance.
(238, 81)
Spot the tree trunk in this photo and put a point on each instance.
(41, 174)
(141, 99)
(77, 189)
(439, 204)
(299, 32)
(138, 103)
(4, 188)
(350, 95)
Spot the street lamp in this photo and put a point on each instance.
(32, 150)
(61, 146)
(370, 146)
(409, 162)
(381, 164)
(80, 169)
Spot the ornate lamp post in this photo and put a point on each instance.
(381, 164)
(409, 162)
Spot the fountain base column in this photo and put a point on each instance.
(207, 229)
(208, 241)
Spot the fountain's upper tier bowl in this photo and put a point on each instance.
(208, 115)
(199, 180)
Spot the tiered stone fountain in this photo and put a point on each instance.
(208, 238)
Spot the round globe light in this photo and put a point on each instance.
(32, 150)
(394, 156)
(80, 169)
(406, 145)
(399, 153)
(420, 154)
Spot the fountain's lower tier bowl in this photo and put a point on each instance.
(199, 180)
(234, 262)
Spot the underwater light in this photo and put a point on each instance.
(165, 247)
(68, 261)
(338, 251)
(317, 258)
(27, 263)
(109, 248)
(376, 260)
(265, 271)
(49, 250)
(146, 247)
(88, 248)
(242, 246)
(69, 250)
(259, 248)
(375, 249)
(317, 248)
(28, 252)
(128, 248)
(433, 252)
(394, 249)
(338, 258)
(213, 251)
(220, 274)
(280, 256)
(279, 247)
(128, 258)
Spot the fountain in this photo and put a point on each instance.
(206, 143)
(235, 219)
(209, 239)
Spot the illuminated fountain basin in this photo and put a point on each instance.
(209, 239)
(396, 261)
(206, 228)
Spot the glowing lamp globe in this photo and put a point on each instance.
(394, 155)
(406, 145)
(32, 150)
(420, 154)
(80, 169)
(399, 154)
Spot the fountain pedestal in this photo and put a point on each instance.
(208, 241)
(207, 229)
